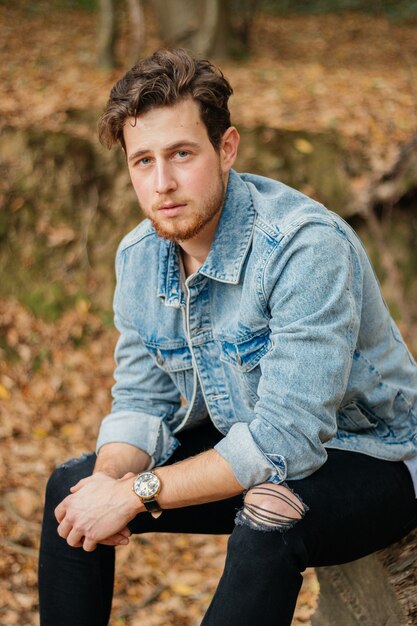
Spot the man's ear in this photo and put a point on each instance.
(228, 148)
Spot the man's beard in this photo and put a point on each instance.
(204, 213)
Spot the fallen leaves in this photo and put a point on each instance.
(303, 146)
(4, 393)
(350, 71)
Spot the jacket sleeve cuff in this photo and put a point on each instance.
(146, 432)
(250, 465)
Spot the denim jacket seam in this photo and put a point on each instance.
(351, 302)
(260, 290)
(296, 224)
(263, 270)
(127, 242)
(276, 234)
(120, 273)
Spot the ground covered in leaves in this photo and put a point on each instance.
(349, 72)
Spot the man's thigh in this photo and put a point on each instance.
(356, 505)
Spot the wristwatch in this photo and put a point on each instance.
(147, 486)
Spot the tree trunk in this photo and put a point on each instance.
(136, 29)
(202, 26)
(106, 35)
(379, 590)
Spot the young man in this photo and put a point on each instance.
(259, 308)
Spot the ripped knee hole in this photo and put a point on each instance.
(272, 507)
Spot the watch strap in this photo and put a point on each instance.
(152, 505)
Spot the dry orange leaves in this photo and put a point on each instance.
(352, 72)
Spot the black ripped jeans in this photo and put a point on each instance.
(356, 505)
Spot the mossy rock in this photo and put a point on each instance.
(65, 206)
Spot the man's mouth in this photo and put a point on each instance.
(170, 209)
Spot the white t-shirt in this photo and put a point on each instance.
(412, 466)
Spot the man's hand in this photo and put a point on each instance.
(97, 511)
(100, 506)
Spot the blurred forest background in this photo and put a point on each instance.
(325, 99)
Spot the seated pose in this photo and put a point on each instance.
(262, 388)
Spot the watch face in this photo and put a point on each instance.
(147, 485)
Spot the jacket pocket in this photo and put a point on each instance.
(176, 360)
(170, 358)
(244, 356)
(353, 417)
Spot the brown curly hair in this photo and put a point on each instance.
(163, 79)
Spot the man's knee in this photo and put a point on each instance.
(266, 551)
(66, 475)
(271, 507)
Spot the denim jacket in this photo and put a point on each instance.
(282, 338)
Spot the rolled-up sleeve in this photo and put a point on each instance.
(312, 289)
(249, 463)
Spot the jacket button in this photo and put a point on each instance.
(159, 358)
(239, 359)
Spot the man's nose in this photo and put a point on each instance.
(165, 180)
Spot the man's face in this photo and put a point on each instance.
(177, 175)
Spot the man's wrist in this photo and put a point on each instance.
(137, 503)
(133, 503)
(108, 470)
(116, 459)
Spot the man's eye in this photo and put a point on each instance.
(182, 153)
(144, 161)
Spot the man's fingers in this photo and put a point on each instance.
(116, 540)
(64, 529)
(89, 545)
(80, 483)
(128, 475)
(93, 514)
(75, 538)
(60, 511)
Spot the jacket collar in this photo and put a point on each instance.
(228, 251)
